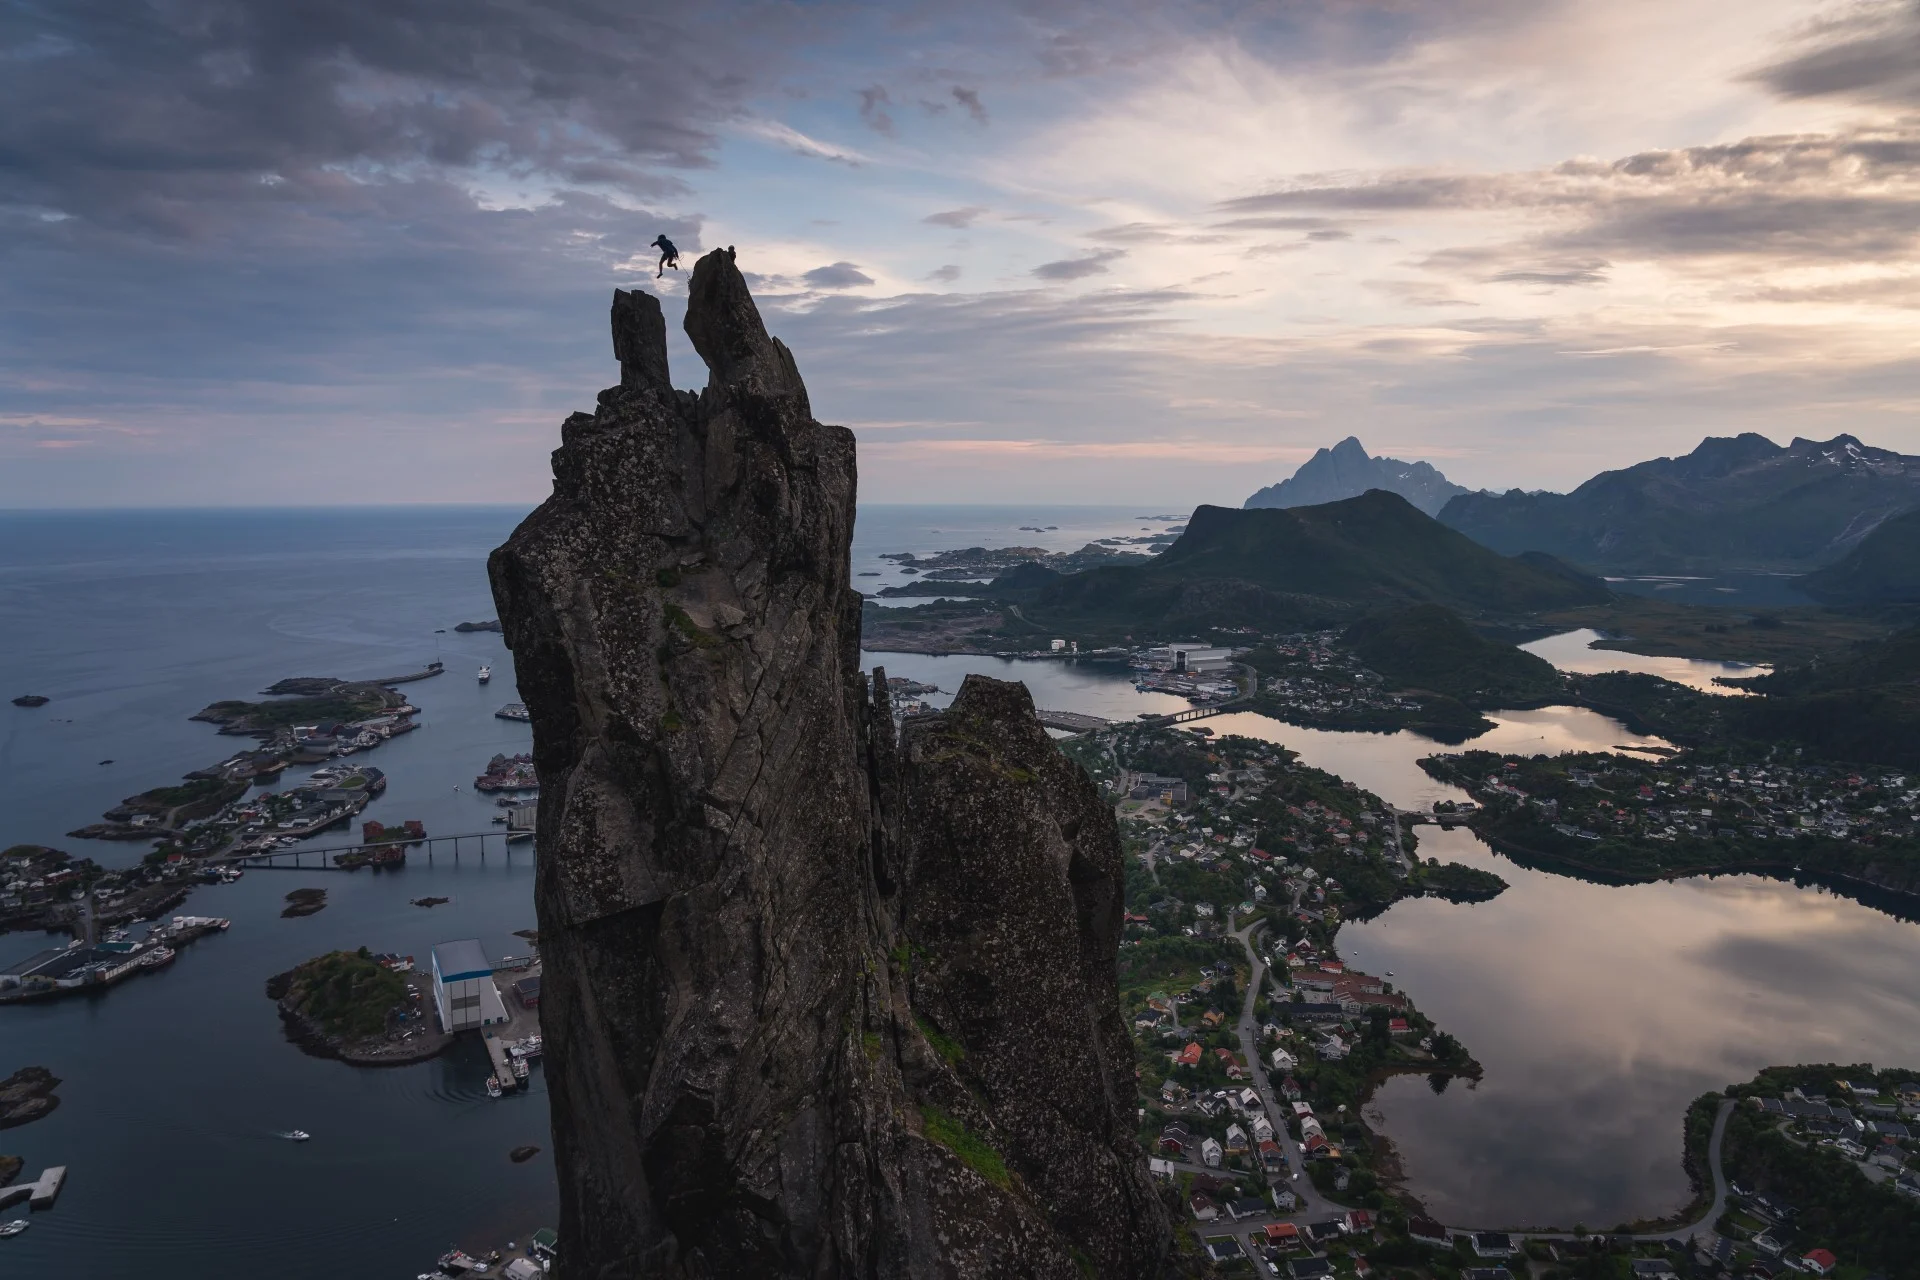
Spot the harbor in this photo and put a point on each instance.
(84, 967)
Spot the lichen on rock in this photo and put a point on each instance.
(817, 1002)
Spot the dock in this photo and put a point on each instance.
(502, 1061)
(40, 1193)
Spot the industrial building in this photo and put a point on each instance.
(463, 989)
(1190, 657)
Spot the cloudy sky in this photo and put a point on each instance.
(361, 250)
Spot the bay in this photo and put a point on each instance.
(1597, 1011)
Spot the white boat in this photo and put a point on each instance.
(157, 957)
(520, 1070)
(486, 674)
(13, 1228)
(493, 1087)
(296, 1135)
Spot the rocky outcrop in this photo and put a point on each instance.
(817, 1002)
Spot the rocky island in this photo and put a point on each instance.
(27, 1095)
(347, 1005)
(819, 1000)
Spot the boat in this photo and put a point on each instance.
(13, 1228)
(157, 957)
(513, 711)
(486, 674)
(296, 1135)
(493, 1086)
(520, 1070)
(515, 837)
(453, 1262)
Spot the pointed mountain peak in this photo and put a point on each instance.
(1347, 470)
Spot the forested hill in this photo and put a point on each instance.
(1311, 566)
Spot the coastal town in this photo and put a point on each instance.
(1624, 815)
(1259, 1045)
(1258, 1042)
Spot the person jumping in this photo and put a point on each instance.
(669, 256)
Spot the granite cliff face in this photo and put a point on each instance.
(818, 1001)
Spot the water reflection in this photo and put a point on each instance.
(1095, 689)
(1384, 763)
(1600, 1012)
(1574, 651)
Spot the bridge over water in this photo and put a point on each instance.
(472, 844)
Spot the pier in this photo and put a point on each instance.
(471, 843)
(40, 1193)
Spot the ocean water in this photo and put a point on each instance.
(1598, 1012)
(175, 1082)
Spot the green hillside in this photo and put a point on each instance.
(1309, 567)
(1883, 569)
(1861, 709)
(1429, 647)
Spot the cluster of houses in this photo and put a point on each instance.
(331, 795)
(1593, 798)
(1275, 1241)
(33, 877)
(1249, 1138)
(1876, 1128)
(1329, 680)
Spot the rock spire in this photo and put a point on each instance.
(820, 1000)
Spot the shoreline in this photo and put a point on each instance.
(306, 1035)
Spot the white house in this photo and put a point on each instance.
(1211, 1154)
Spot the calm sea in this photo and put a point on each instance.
(175, 1083)
(1597, 1012)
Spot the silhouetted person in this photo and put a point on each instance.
(669, 256)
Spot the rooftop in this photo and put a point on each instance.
(461, 959)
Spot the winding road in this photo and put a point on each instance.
(1315, 1206)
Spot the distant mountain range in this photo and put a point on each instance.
(1346, 471)
(1304, 566)
(1733, 503)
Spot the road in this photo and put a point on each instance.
(1312, 1203)
(1315, 1207)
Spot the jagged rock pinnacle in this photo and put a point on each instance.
(754, 903)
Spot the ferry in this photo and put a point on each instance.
(157, 957)
(520, 1071)
(493, 1086)
(13, 1228)
(486, 674)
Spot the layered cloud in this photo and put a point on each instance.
(1028, 250)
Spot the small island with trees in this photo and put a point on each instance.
(352, 1006)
